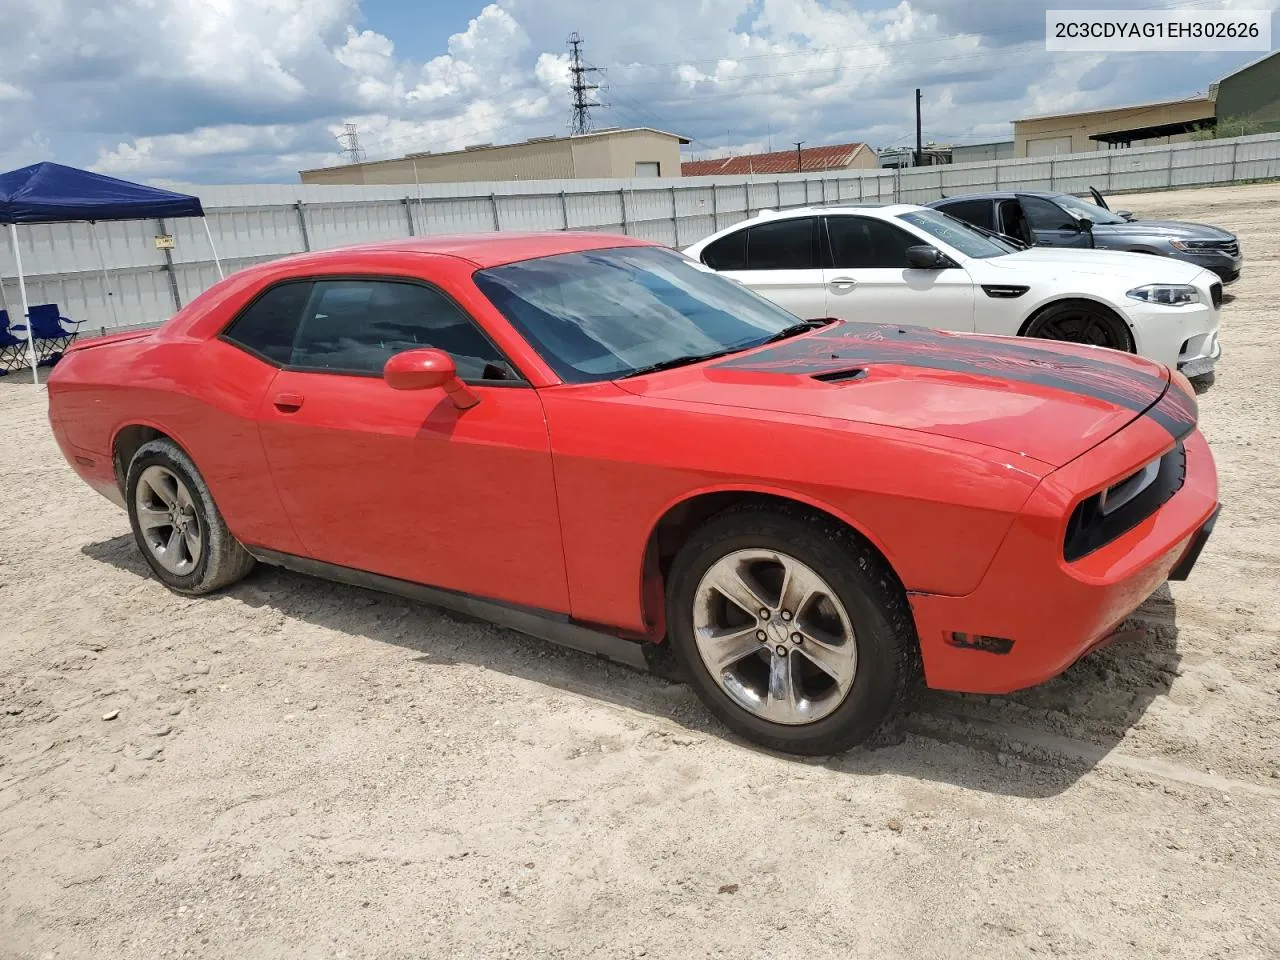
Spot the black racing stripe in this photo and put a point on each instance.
(1176, 412)
(846, 345)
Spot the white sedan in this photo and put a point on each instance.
(914, 265)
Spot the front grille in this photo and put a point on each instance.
(1229, 247)
(1093, 525)
(1215, 291)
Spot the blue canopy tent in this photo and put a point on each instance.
(52, 193)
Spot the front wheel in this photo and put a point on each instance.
(1081, 321)
(792, 629)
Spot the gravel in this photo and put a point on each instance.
(404, 819)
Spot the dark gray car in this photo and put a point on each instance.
(1061, 220)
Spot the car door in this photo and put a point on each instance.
(779, 259)
(869, 279)
(980, 211)
(1052, 225)
(402, 482)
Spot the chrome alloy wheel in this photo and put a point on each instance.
(168, 521)
(774, 636)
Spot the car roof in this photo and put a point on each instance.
(790, 213)
(481, 249)
(997, 195)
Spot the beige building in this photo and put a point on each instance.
(1147, 124)
(612, 153)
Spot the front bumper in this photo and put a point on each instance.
(1199, 355)
(1226, 266)
(1046, 613)
(1177, 335)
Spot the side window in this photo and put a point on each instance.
(354, 326)
(727, 253)
(862, 243)
(1046, 215)
(978, 212)
(783, 245)
(269, 325)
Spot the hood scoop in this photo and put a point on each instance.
(841, 376)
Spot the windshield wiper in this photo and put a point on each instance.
(795, 330)
(679, 362)
(994, 235)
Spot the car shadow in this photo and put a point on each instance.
(1035, 743)
(1203, 383)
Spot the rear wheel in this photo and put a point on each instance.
(176, 524)
(792, 629)
(1081, 321)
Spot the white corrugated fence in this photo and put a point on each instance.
(260, 222)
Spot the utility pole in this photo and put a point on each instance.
(579, 88)
(919, 143)
(350, 141)
(799, 164)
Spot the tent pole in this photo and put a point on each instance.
(102, 264)
(26, 307)
(216, 262)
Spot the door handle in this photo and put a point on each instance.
(287, 402)
(843, 283)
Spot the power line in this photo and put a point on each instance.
(580, 88)
(350, 141)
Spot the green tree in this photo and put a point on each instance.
(1230, 127)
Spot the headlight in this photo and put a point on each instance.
(1168, 294)
(1194, 245)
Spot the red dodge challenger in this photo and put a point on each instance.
(592, 438)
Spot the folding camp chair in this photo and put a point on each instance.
(51, 339)
(12, 349)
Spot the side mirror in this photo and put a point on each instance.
(926, 257)
(1125, 214)
(1086, 225)
(425, 369)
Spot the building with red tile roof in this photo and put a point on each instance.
(840, 156)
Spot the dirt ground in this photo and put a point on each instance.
(302, 770)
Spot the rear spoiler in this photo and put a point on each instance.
(88, 343)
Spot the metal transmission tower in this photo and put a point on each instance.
(350, 141)
(580, 89)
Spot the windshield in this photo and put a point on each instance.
(1083, 209)
(957, 233)
(603, 314)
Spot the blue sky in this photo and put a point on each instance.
(250, 91)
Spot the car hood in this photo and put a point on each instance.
(1060, 261)
(1166, 229)
(1048, 402)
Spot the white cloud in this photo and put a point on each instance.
(28, 150)
(249, 90)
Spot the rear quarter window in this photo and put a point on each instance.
(727, 253)
(269, 325)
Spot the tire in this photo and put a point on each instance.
(201, 555)
(885, 649)
(1081, 321)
